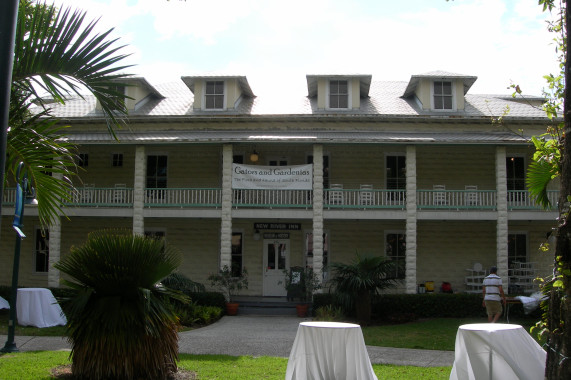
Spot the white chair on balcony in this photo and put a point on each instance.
(336, 195)
(439, 195)
(471, 197)
(366, 195)
(119, 193)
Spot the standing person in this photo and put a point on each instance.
(493, 295)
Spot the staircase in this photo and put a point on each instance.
(265, 306)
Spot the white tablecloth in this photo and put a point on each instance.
(38, 307)
(4, 304)
(496, 351)
(329, 351)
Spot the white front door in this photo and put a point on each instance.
(276, 259)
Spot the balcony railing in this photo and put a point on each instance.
(332, 198)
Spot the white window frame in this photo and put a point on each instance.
(393, 232)
(113, 159)
(239, 231)
(328, 94)
(394, 154)
(224, 95)
(453, 95)
(278, 159)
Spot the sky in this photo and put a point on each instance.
(276, 43)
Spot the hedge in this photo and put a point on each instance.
(436, 305)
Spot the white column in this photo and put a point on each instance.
(411, 220)
(502, 209)
(318, 210)
(226, 219)
(139, 184)
(54, 247)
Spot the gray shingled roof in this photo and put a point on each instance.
(385, 99)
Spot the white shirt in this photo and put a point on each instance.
(492, 284)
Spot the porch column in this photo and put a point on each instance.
(139, 184)
(502, 209)
(318, 210)
(226, 219)
(411, 220)
(54, 248)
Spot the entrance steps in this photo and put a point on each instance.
(251, 305)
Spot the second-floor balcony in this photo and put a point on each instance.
(333, 198)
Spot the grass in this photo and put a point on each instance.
(28, 330)
(430, 334)
(38, 365)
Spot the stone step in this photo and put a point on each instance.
(265, 306)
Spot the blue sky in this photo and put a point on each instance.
(275, 43)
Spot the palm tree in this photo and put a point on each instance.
(355, 283)
(120, 324)
(56, 54)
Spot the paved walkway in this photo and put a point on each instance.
(255, 336)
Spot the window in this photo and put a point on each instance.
(282, 161)
(517, 248)
(42, 250)
(156, 177)
(119, 92)
(515, 171)
(338, 94)
(309, 252)
(442, 95)
(237, 261)
(396, 172)
(83, 160)
(396, 251)
(117, 160)
(325, 169)
(214, 95)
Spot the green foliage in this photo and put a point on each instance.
(119, 324)
(300, 282)
(227, 283)
(328, 313)
(182, 283)
(355, 283)
(57, 54)
(208, 299)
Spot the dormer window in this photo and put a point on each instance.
(338, 94)
(214, 95)
(442, 94)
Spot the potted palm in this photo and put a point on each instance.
(229, 284)
(301, 283)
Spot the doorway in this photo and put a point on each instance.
(276, 259)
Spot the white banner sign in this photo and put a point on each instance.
(297, 177)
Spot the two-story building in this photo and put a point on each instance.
(417, 171)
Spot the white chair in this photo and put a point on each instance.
(471, 197)
(120, 193)
(336, 195)
(439, 195)
(366, 195)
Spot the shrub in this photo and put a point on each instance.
(329, 313)
(119, 323)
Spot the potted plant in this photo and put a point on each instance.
(229, 284)
(301, 283)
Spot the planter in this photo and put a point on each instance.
(302, 309)
(232, 308)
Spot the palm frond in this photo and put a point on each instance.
(57, 54)
(539, 175)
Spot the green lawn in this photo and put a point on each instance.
(38, 365)
(429, 334)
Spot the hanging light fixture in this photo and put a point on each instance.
(254, 156)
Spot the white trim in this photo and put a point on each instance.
(453, 89)
(349, 94)
(225, 95)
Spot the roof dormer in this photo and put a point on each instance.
(218, 93)
(439, 91)
(137, 90)
(338, 92)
